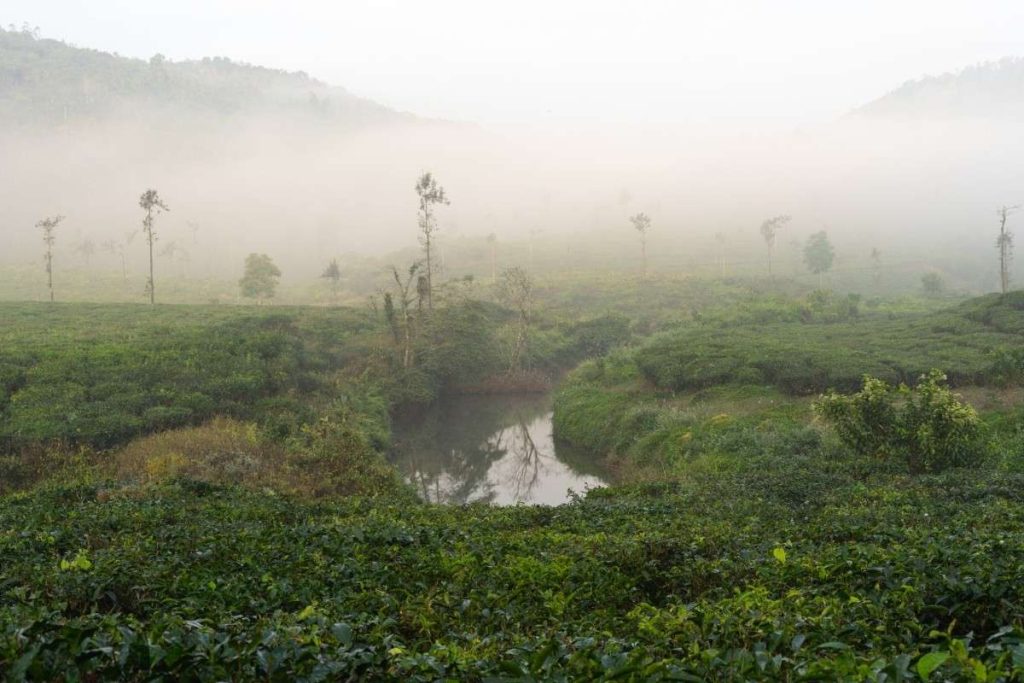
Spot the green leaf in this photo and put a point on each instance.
(929, 663)
(343, 632)
(779, 554)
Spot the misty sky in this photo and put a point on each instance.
(531, 61)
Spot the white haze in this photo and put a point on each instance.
(304, 193)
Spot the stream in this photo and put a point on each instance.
(496, 449)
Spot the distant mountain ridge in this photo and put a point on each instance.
(991, 90)
(48, 82)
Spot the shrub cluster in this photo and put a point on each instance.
(927, 428)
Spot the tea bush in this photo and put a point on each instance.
(927, 428)
(785, 568)
(810, 358)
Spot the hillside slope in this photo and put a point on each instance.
(47, 82)
(992, 90)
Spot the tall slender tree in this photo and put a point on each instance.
(152, 204)
(430, 195)
(769, 228)
(1004, 243)
(516, 292)
(642, 223)
(49, 227)
(404, 329)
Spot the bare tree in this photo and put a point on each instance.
(430, 194)
(152, 204)
(1004, 243)
(517, 293)
(49, 226)
(404, 329)
(769, 228)
(642, 223)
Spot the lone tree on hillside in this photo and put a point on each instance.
(876, 264)
(1004, 243)
(517, 293)
(152, 204)
(430, 194)
(260, 278)
(642, 223)
(332, 273)
(769, 228)
(49, 226)
(819, 254)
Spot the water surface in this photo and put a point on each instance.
(497, 449)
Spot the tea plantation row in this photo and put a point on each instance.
(799, 567)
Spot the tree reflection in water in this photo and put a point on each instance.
(494, 449)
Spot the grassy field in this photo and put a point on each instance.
(256, 532)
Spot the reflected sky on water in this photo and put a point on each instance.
(497, 449)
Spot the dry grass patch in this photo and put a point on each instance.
(222, 451)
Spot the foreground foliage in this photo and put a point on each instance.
(800, 569)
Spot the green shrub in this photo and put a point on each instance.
(926, 427)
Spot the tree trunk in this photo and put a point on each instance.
(49, 273)
(430, 279)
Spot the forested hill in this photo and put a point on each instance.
(48, 82)
(993, 90)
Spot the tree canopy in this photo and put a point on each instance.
(260, 278)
